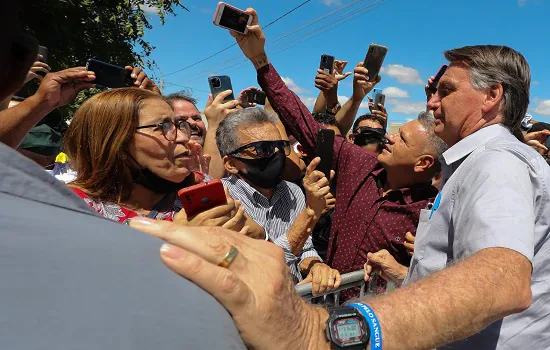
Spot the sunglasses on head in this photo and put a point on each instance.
(365, 135)
(261, 149)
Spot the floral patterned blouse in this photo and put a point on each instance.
(116, 212)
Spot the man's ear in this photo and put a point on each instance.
(229, 165)
(494, 97)
(424, 163)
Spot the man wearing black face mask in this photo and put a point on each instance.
(369, 132)
(254, 154)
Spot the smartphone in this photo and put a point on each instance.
(199, 198)
(327, 63)
(43, 50)
(379, 99)
(231, 18)
(374, 59)
(255, 96)
(325, 150)
(221, 83)
(108, 75)
(433, 86)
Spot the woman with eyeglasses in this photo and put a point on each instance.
(131, 155)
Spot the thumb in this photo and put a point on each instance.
(377, 258)
(308, 279)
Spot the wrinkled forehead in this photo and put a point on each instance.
(458, 72)
(258, 132)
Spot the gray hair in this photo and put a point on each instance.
(182, 95)
(227, 134)
(490, 65)
(436, 144)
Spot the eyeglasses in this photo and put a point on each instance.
(261, 149)
(170, 129)
(366, 135)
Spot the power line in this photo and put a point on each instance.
(230, 46)
(240, 56)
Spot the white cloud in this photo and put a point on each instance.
(522, 2)
(404, 75)
(295, 88)
(149, 9)
(332, 2)
(405, 106)
(308, 101)
(543, 108)
(536, 83)
(395, 92)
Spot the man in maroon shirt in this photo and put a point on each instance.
(379, 199)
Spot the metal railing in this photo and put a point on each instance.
(349, 280)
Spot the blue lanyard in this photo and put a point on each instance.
(436, 204)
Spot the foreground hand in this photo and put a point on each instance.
(409, 243)
(253, 43)
(317, 187)
(331, 203)
(142, 81)
(216, 110)
(243, 97)
(37, 67)
(429, 94)
(59, 88)
(382, 113)
(256, 288)
(323, 279)
(361, 84)
(384, 263)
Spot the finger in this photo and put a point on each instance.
(140, 78)
(82, 86)
(234, 221)
(409, 237)
(308, 279)
(409, 247)
(245, 231)
(331, 280)
(227, 195)
(537, 144)
(42, 65)
(337, 279)
(311, 167)
(316, 281)
(222, 95)
(324, 280)
(219, 211)
(210, 100)
(220, 282)
(332, 175)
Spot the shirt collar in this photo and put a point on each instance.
(253, 193)
(407, 195)
(471, 142)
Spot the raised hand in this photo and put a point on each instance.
(142, 81)
(361, 84)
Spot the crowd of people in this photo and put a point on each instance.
(453, 208)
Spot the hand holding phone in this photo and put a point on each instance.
(379, 99)
(255, 96)
(221, 83)
(202, 197)
(232, 18)
(324, 149)
(433, 86)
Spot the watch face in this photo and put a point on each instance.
(348, 331)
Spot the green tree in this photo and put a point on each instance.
(108, 30)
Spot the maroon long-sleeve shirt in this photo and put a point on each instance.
(365, 220)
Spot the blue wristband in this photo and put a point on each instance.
(374, 325)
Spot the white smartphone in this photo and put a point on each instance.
(231, 18)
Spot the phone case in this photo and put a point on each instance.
(325, 150)
(198, 198)
(220, 83)
(217, 20)
(109, 75)
(379, 99)
(327, 63)
(374, 60)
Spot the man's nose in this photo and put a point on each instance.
(434, 102)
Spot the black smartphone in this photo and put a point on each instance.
(108, 75)
(327, 63)
(43, 50)
(433, 86)
(379, 99)
(255, 96)
(221, 83)
(325, 150)
(374, 60)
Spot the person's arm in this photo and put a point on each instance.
(328, 97)
(320, 104)
(55, 90)
(361, 87)
(216, 110)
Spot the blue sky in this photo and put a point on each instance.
(416, 32)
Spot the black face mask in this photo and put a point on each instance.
(152, 181)
(366, 136)
(265, 172)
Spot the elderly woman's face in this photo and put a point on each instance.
(170, 160)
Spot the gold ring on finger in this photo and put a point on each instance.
(229, 257)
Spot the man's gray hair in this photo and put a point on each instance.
(490, 65)
(227, 134)
(436, 144)
(182, 95)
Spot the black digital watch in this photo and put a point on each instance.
(347, 328)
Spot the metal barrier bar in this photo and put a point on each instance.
(349, 280)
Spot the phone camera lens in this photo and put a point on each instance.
(216, 83)
(324, 59)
